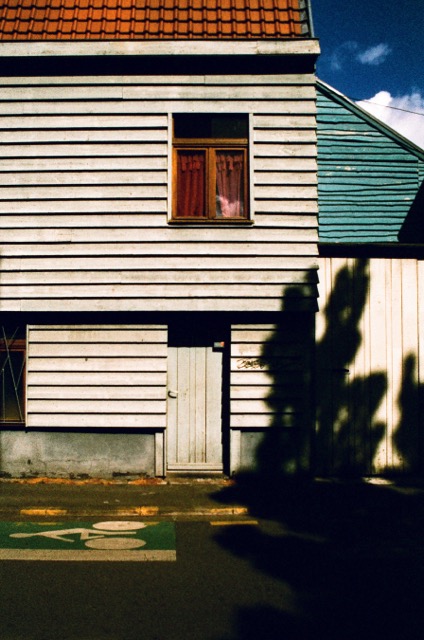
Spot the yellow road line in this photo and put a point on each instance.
(43, 512)
(232, 523)
(137, 511)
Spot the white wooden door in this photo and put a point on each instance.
(194, 426)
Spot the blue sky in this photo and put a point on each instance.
(373, 51)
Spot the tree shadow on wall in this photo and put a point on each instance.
(347, 431)
(412, 230)
(344, 439)
(408, 437)
(349, 552)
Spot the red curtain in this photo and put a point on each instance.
(191, 184)
(229, 184)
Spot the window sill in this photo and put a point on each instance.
(212, 223)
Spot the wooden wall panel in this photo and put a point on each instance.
(96, 377)
(369, 366)
(270, 389)
(85, 195)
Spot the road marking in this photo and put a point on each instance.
(232, 523)
(236, 511)
(36, 513)
(120, 512)
(138, 511)
(111, 540)
(50, 555)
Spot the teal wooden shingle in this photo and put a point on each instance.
(369, 176)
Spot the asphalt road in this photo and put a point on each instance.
(324, 561)
(201, 595)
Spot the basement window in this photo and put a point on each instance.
(210, 168)
(12, 375)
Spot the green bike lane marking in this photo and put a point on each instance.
(114, 540)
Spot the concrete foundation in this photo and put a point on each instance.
(73, 454)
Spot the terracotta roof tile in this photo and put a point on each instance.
(152, 19)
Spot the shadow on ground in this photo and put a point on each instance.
(351, 552)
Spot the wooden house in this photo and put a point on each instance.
(159, 236)
(370, 324)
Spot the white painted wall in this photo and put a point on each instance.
(85, 194)
(369, 365)
(94, 377)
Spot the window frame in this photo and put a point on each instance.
(210, 146)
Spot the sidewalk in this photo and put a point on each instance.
(173, 498)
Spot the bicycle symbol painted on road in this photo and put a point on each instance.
(129, 540)
(103, 535)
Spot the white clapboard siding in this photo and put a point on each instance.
(104, 379)
(83, 178)
(108, 148)
(278, 178)
(84, 107)
(254, 236)
(68, 165)
(301, 303)
(369, 368)
(96, 376)
(174, 248)
(64, 192)
(140, 206)
(130, 291)
(153, 220)
(158, 92)
(268, 363)
(270, 390)
(38, 122)
(191, 263)
(289, 79)
(92, 394)
(284, 135)
(85, 196)
(78, 136)
(216, 277)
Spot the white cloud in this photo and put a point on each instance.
(397, 113)
(350, 51)
(374, 55)
(341, 54)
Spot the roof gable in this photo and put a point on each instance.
(369, 176)
(70, 20)
(339, 98)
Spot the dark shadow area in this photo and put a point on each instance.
(350, 551)
(156, 65)
(319, 421)
(287, 354)
(408, 438)
(346, 433)
(412, 230)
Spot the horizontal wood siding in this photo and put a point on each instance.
(367, 181)
(369, 366)
(85, 196)
(270, 383)
(96, 377)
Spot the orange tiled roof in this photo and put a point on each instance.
(22, 20)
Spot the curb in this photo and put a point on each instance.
(113, 482)
(144, 511)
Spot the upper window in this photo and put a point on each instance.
(210, 167)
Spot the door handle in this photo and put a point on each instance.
(172, 393)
